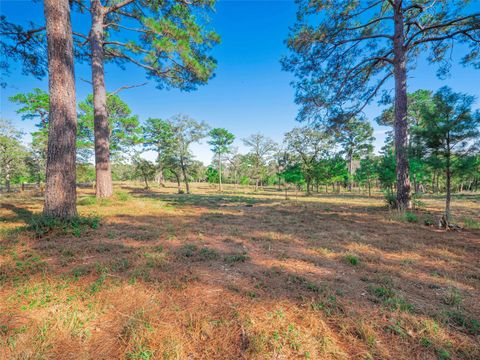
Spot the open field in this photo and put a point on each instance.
(239, 275)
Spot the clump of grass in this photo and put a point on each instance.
(352, 259)
(470, 223)
(453, 297)
(188, 250)
(208, 254)
(193, 252)
(80, 271)
(460, 319)
(235, 258)
(329, 305)
(42, 225)
(390, 299)
(303, 282)
(87, 201)
(411, 217)
(122, 195)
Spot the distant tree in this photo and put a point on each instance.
(386, 170)
(144, 169)
(124, 128)
(261, 149)
(345, 51)
(234, 164)
(367, 172)
(35, 106)
(292, 174)
(158, 136)
(452, 131)
(186, 132)
(12, 153)
(356, 138)
(308, 144)
(220, 142)
(212, 175)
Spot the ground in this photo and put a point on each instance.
(238, 275)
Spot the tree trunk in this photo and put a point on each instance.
(401, 124)
(185, 178)
(350, 171)
(101, 127)
(179, 185)
(369, 188)
(448, 181)
(219, 172)
(60, 184)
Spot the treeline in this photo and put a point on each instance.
(443, 149)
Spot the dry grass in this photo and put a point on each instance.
(239, 275)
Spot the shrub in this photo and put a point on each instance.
(352, 259)
(390, 199)
(411, 217)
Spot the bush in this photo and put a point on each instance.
(411, 217)
(390, 199)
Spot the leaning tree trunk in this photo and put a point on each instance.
(401, 124)
(60, 187)
(101, 127)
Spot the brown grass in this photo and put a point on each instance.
(239, 275)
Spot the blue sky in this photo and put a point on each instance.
(250, 93)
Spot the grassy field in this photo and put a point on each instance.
(238, 275)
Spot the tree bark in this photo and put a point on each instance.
(448, 176)
(185, 178)
(350, 171)
(401, 124)
(60, 186)
(219, 172)
(101, 127)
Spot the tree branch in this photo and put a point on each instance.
(126, 87)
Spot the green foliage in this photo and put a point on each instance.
(411, 217)
(352, 259)
(125, 131)
(212, 175)
(220, 140)
(12, 154)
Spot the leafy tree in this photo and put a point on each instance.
(186, 132)
(124, 128)
(451, 130)
(293, 174)
(345, 51)
(261, 149)
(386, 170)
(168, 39)
(220, 140)
(212, 175)
(356, 137)
(367, 172)
(234, 164)
(12, 153)
(157, 135)
(144, 169)
(308, 144)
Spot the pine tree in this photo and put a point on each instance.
(345, 51)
